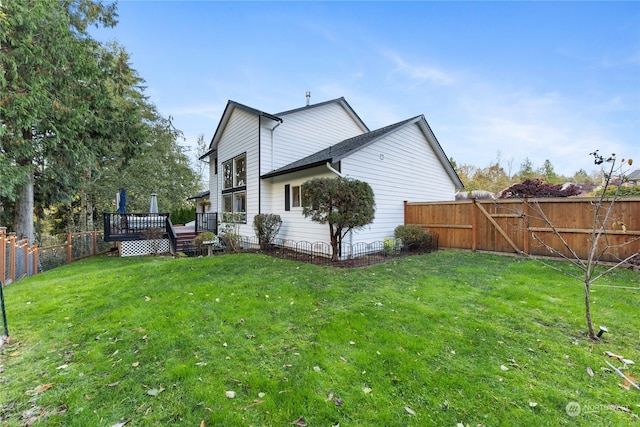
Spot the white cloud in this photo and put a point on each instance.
(418, 73)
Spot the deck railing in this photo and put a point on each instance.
(207, 221)
(120, 227)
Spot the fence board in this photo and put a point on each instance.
(516, 226)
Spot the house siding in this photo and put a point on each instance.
(214, 195)
(294, 225)
(240, 136)
(305, 132)
(406, 168)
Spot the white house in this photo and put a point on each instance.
(258, 161)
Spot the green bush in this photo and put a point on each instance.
(413, 236)
(183, 215)
(624, 191)
(267, 227)
(205, 236)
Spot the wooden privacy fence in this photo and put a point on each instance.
(18, 259)
(526, 226)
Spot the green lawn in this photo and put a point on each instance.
(249, 340)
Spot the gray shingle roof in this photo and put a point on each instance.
(340, 150)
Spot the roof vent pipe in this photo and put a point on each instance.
(308, 97)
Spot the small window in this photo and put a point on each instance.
(296, 197)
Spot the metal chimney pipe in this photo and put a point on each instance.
(308, 97)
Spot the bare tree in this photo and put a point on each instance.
(601, 243)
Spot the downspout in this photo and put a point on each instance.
(272, 144)
(334, 170)
(259, 165)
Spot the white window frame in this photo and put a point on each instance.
(234, 189)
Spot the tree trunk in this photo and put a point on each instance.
(587, 307)
(23, 213)
(89, 224)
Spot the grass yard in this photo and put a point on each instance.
(249, 340)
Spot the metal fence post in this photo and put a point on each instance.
(4, 313)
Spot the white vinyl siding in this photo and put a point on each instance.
(294, 225)
(406, 168)
(305, 132)
(240, 137)
(214, 195)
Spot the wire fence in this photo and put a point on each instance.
(320, 253)
(18, 259)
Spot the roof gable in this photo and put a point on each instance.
(340, 101)
(226, 115)
(343, 149)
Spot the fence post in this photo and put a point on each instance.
(95, 242)
(12, 258)
(36, 260)
(3, 254)
(69, 240)
(4, 313)
(405, 212)
(474, 225)
(525, 237)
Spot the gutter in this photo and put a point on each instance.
(332, 169)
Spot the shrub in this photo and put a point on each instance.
(205, 236)
(183, 215)
(391, 246)
(413, 236)
(230, 236)
(267, 227)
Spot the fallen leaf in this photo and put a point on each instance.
(367, 390)
(87, 397)
(14, 354)
(117, 383)
(338, 402)
(146, 298)
(533, 404)
(43, 388)
(135, 364)
(589, 371)
(503, 368)
(230, 394)
(202, 423)
(155, 391)
(65, 366)
(317, 368)
(613, 356)
(299, 422)
(121, 424)
(409, 410)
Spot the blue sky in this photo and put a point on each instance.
(507, 80)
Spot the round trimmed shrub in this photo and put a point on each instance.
(413, 236)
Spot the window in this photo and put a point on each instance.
(234, 189)
(292, 197)
(296, 197)
(227, 175)
(240, 171)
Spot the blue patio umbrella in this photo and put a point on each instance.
(122, 205)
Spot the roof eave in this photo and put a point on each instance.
(275, 173)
